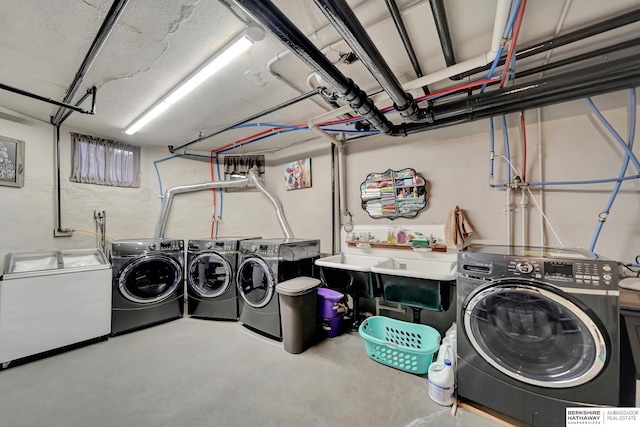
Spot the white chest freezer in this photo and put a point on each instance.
(49, 300)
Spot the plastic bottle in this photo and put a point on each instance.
(442, 383)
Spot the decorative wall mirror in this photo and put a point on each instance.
(393, 194)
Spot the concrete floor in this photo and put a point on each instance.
(193, 372)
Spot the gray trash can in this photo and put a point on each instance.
(298, 312)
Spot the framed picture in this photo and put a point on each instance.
(11, 162)
(297, 174)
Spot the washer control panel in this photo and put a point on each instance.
(563, 272)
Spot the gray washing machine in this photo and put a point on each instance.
(211, 277)
(148, 286)
(538, 331)
(262, 264)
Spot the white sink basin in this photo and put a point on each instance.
(350, 262)
(431, 269)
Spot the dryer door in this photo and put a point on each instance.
(150, 278)
(210, 275)
(256, 283)
(531, 332)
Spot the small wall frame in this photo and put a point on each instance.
(11, 162)
(393, 194)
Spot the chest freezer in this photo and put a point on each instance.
(50, 300)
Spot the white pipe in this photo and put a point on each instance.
(161, 225)
(508, 209)
(502, 15)
(543, 237)
(255, 180)
(523, 206)
(251, 179)
(341, 164)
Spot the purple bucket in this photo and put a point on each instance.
(328, 302)
(332, 326)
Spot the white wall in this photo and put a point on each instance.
(456, 168)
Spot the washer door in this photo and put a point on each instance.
(256, 283)
(210, 275)
(530, 332)
(150, 278)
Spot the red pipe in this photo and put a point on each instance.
(524, 147)
(512, 46)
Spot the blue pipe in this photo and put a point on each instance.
(617, 137)
(155, 165)
(623, 169)
(592, 181)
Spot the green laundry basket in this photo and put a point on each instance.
(402, 345)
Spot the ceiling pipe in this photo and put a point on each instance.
(49, 100)
(268, 15)
(442, 26)
(577, 58)
(406, 41)
(347, 24)
(103, 33)
(589, 81)
(503, 8)
(252, 178)
(555, 42)
(270, 110)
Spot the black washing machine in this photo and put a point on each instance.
(147, 286)
(262, 264)
(211, 277)
(538, 331)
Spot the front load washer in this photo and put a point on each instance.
(211, 277)
(147, 285)
(262, 264)
(538, 331)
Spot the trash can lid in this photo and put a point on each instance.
(297, 286)
(330, 294)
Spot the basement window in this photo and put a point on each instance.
(104, 162)
(236, 167)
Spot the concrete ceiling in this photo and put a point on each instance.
(157, 43)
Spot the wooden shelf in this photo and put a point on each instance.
(385, 245)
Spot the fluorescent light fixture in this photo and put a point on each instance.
(206, 70)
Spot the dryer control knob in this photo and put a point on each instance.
(524, 267)
(153, 246)
(253, 248)
(207, 245)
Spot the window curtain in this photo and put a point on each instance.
(104, 162)
(240, 165)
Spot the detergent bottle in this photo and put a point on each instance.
(441, 379)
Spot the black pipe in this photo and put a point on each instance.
(612, 76)
(58, 180)
(406, 41)
(347, 24)
(250, 118)
(91, 91)
(270, 17)
(577, 58)
(42, 98)
(103, 33)
(442, 26)
(589, 31)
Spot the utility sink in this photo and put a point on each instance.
(350, 273)
(431, 269)
(417, 283)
